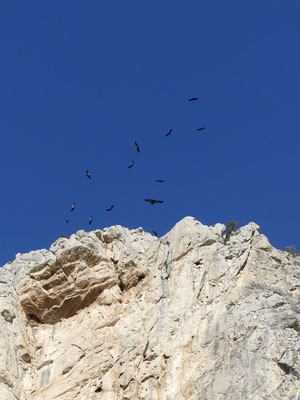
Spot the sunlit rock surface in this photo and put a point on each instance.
(121, 314)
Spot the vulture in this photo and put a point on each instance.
(159, 180)
(169, 133)
(193, 99)
(201, 129)
(151, 201)
(137, 147)
(155, 234)
(88, 174)
(110, 208)
(131, 165)
(90, 220)
(73, 207)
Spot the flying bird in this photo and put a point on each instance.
(131, 165)
(151, 201)
(169, 133)
(193, 99)
(155, 234)
(201, 129)
(110, 208)
(73, 207)
(88, 174)
(159, 180)
(137, 147)
(90, 220)
(67, 221)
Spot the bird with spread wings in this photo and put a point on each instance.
(151, 201)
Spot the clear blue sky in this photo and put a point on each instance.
(80, 81)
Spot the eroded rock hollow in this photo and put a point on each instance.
(121, 314)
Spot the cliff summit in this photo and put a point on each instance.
(121, 314)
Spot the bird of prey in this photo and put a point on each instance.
(201, 129)
(67, 221)
(169, 133)
(155, 234)
(110, 208)
(131, 165)
(151, 201)
(88, 174)
(159, 180)
(137, 147)
(73, 207)
(193, 99)
(90, 220)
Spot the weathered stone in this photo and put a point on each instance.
(121, 314)
(8, 316)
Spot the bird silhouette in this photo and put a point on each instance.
(137, 147)
(151, 201)
(201, 129)
(88, 174)
(110, 208)
(131, 165)
(159, 180)
(67, 221)
(169, 133)
(155, 234)
(90, 220)
(73, 207)
(193, 99)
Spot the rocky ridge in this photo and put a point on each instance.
(121, 314)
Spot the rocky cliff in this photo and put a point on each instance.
(121, 314)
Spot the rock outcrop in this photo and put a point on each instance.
(121, 314)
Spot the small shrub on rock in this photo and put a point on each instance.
(230, 227)
(296, 326)
(291, 250)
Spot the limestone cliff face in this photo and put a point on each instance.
(121, 314)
